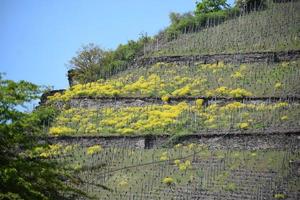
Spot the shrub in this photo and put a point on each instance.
(279, 196)
(250, 5)
(168, 180)
(207, 6)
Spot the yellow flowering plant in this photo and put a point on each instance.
(171, 119)
(94, 149)
(165, 79)
(168, 180)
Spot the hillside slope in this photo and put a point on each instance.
(191, 129)
(276, 28)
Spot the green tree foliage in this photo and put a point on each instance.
(207, 6)
(208, 10)
(23, 176)
(88, 63)
(180, 22)
(92, 63)
(175, 17)
(124, 55)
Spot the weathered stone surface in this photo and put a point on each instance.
(133, 142)
(213, 141)
(96, 103)
(253, 57)
(49, 93)
(99, 102)
(248, 142)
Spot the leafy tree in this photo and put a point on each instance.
(212, 10)
(92, 63)
(180, 23)
(23, 176)
(174, 17)
(88, 63)
(207, 6)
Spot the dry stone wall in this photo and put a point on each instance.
(213, 141)
(254, 57)
(96, 103)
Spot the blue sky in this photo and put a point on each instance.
(38, 37)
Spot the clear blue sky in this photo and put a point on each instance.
(38, 37)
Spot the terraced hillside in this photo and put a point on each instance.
(184, 171)
(276, 28)
(197, 80)
(180, 118)
(223, 129)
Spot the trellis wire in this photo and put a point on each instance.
(250, 183)
(243, 32)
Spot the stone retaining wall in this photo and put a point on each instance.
(214, 142)
(99, 102)
(253, 57)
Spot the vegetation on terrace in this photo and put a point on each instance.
(32, 170)
(92, 63)
(164, 80)
(251, 25)
(181, 118)
(187, 171)
(23, 175)
(182, 171)
(273, 29)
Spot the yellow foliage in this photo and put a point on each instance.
(239, 93)
(164, 80)
(168, 180)
(199, 103)
(224, 91)
(164, 156)
(176, 162)
(278, 86)
(212, 107)
(94, 149)
(126, 131)
(187, 163)
(221, 90)
(280, 105)
(61, 130)
(233, 106)
(214, 67)
(165, 98)
(162, 118)
(243, 125)
(52, 150)
(182, 91)
(237, 75)
(284, 118)
(210, 119)
(123, 183)
(182, 167)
